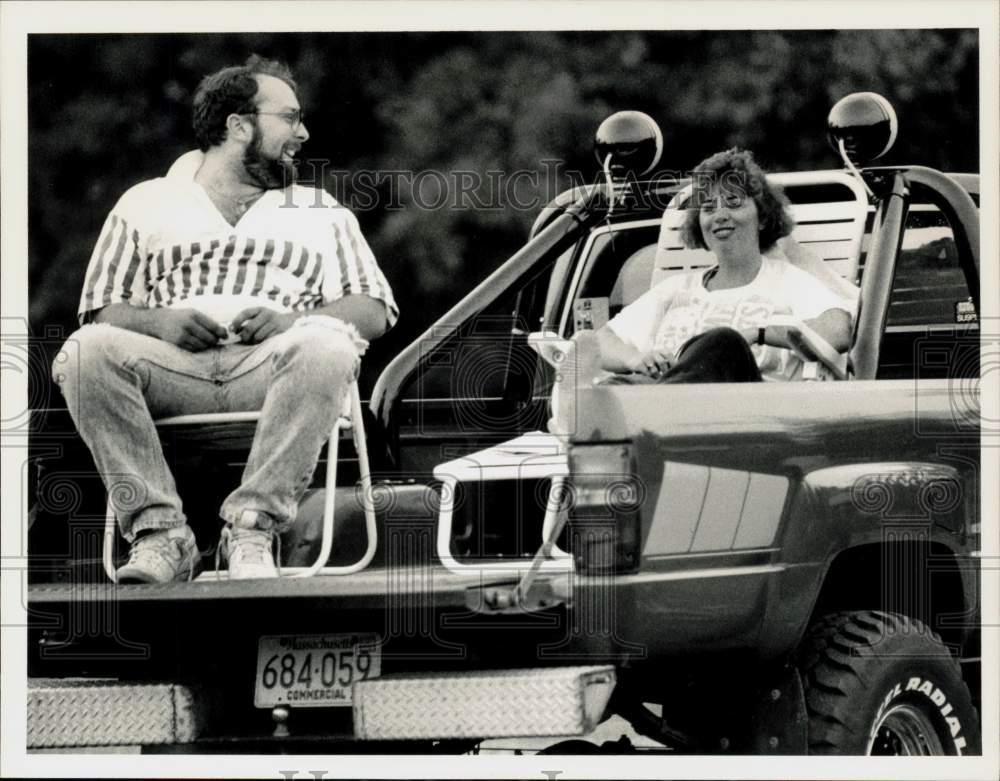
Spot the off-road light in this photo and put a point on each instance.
(628, 143)
(862, 126)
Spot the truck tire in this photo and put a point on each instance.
(884, 684)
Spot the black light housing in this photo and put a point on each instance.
(628, 143)
(866, 124)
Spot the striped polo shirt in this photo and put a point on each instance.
(165, 244)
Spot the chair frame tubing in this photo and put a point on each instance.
(349, 418)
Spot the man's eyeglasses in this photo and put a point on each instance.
(293, 118)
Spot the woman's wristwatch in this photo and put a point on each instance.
(760, 334)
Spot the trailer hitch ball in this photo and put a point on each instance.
(280, 714)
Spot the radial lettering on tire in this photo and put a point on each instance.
(881, 683)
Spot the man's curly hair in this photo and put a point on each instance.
(230, 91)
(734, 171)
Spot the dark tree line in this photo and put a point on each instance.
(106, 111)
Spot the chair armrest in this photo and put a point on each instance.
(808, 345)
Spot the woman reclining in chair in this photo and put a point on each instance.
(729, 323)
(725, 324)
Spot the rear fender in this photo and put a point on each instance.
(911, 517)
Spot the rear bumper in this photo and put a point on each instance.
(494, 703)
(538, 702)
(89, 713)
(445, 655)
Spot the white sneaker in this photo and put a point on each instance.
(162, 557)
(250, 552)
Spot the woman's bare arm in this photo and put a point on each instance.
(834, 325)
(616, 355)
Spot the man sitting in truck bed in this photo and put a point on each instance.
(221, 288)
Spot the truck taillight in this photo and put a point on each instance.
(604, 497)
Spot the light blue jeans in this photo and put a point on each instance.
(116, 382)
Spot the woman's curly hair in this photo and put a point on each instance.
(734, 171)
(230, 91)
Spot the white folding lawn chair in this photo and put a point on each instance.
(349, 418)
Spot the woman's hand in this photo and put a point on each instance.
(750, 335)
(654, 363)
(619, 357)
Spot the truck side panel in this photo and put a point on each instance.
(784, 477)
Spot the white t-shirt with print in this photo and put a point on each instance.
(681, 307)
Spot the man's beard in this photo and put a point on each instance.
(267, 173)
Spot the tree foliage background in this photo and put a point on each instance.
(107, 111)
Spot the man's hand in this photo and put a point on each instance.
(187, 328)
(653, 363)
(257, 323)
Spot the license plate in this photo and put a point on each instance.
(313, 671)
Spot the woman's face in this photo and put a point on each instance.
(729, 222)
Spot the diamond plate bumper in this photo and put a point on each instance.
(488, 704)
(76, 712)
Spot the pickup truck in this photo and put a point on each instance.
(768, 568)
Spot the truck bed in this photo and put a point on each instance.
(362, 589)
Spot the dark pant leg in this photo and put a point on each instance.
(719, 355)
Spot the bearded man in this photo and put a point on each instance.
(222, 287)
